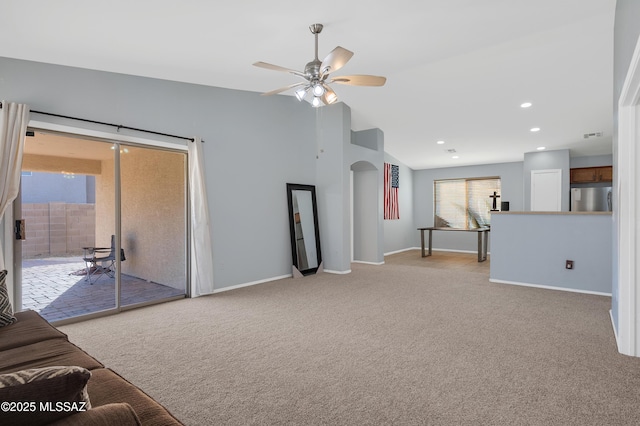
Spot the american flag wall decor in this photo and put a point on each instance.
(391, 184)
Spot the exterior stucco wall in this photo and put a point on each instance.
(153, 214)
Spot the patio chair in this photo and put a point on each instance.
(98, 265)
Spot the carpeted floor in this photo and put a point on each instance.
(413, 341)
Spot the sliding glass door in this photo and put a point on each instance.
(61, 276)
(153, 224)
(105, 226)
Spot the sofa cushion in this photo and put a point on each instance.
(106, 387)
(6, 311)
(38, 393)
(45, 354)
(120, 414)
(30, 328)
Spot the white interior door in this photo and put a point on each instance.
(546, 190)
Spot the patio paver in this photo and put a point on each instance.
(50, 287)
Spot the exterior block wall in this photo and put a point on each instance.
(58, 229)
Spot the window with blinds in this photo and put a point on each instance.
(464, 203)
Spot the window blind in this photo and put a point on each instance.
(464, 203)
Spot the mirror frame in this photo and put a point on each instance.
(311, 188)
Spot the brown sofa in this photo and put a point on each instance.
(32, 342)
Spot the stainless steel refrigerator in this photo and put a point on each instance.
(593, 199)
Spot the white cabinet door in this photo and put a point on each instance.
(546, 190)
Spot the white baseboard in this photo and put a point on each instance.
(434, 249)
(368, 263)
(233, 287)
(455, 251)
(249, 284)
(548, 287)
(348, 271)
(615, 332)
(458, 251)
(403, 250)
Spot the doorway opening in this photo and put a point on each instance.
(366, 227)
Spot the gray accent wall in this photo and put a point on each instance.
(254, 146)
(532, 248)
(625, 36)
(591, 161)
(511, 176)
(332, 185)
(401, 234)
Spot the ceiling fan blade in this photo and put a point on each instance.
(360, 80)
(277, 68)
(335, 60)
(283, 89)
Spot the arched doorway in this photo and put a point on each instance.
(366, 214)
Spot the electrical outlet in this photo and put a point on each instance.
(569, 264)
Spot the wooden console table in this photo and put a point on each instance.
(483, 238)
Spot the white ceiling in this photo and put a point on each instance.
(457, 70)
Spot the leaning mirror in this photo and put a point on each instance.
(303, 226)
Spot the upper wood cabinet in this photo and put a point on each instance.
(592, 174)
(606, 174)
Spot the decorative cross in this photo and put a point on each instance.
(495, 197)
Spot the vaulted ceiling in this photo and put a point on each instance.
(457, 70)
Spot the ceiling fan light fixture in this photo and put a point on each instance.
(315, 89)
(331, 98)
(318, 89)
(301, 93)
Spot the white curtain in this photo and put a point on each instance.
(201, 248)
(13, 126)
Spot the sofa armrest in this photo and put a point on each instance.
(119, 413)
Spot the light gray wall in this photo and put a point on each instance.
(546, 160)
(332, 185)
(254, 146)
(591, 161)
(533, 248)
(511, 178)
(402, 234)
(625, 36)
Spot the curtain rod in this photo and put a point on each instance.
(118, 126)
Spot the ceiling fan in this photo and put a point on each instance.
(316, 75)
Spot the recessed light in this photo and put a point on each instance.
(541, 148)
(535, 129)
(440, 142)
(455, 156)
(526, 105)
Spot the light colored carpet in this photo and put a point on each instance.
(409, 342)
